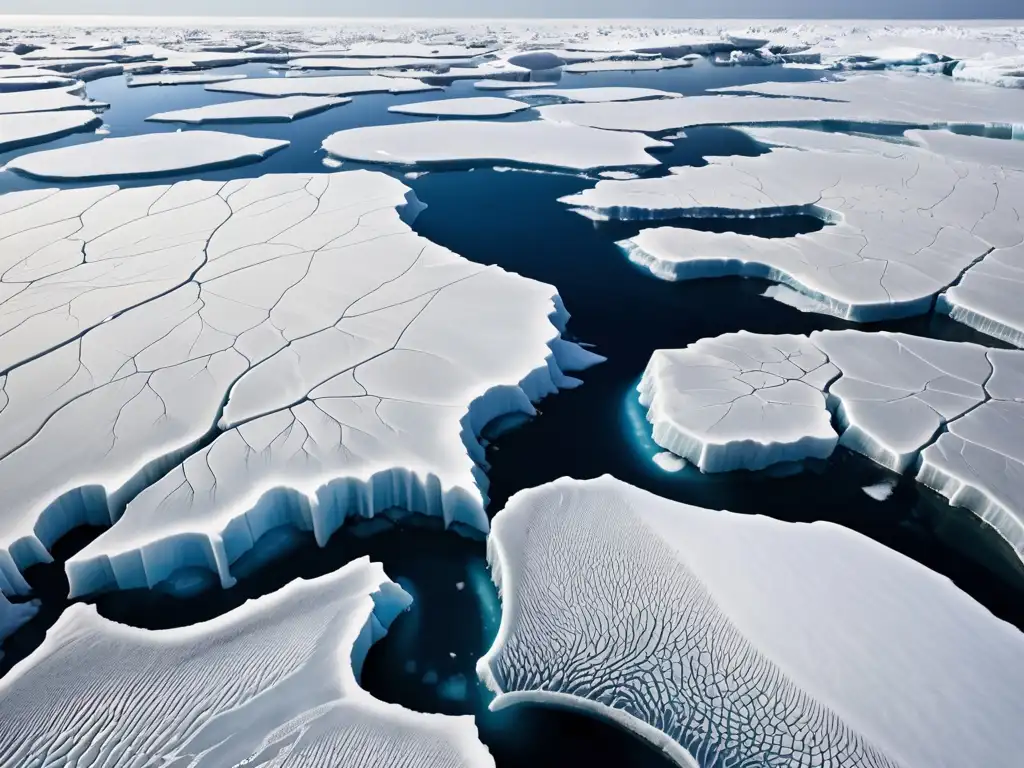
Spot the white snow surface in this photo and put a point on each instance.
(766, 641)
(342, 85)
(626, 65)
(878, 97)
(255, 353)
(1007, 154)
(180, 78)
(357, 63)
(509, 85)
(35, 127)
(147, 154)
(274, 682)
(904, 222)
(535, 143)
(281, 110)
(45, 100)
(747, 401)
(589, 95)
(473, 106)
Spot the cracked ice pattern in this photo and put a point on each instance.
(219, 341)
(740, 401)
(732, 641)
(906, 223)
(748, 401)
(272, 683)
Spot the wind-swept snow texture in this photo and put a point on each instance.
(955, 411)
(282, 110)
(345, 85)
(730, 640)
(274, 682)
(151, 154)
(280, 350)
(533, 143)
(871, 98)
(906, 223)
(474, 106)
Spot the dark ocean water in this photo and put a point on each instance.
(513, 219)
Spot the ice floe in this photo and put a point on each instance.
(509, 85)
(23, 129)
(181, 78)
(281, 110)
(343, 85)
(45, 100)
(473, 106)
(588, 95)
(904, 223)
(975, 149)
(627, 65)
(988, 296)
(747, 401)
(148, 154)
(740, 401)
(869, 98)
(164, 337)
(534, 143)
(343, 63)
(731, 639)
(1007, 72)
(276, 681)
(37, 82)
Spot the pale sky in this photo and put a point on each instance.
(753, 9)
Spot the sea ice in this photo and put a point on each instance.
(37, 82)
(474, 106)
(180, 78)
(509, 85)
(627, 65)
(164, 337)
(588, 95)
(905, 223)
(728, 639)
(342, 85)
(974, 149)
(273, 682)
(46, 100)
(149, 154)
(740, 401)
(314, 63)
(281, 110)
(23, 129)
(533, 143)
(747, 401)
(1007, 72)
(910, 100)
(988, 296)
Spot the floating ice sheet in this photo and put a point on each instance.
(870, 98)
(474, 106)
(747, 401)
(589, 95)
(627, 65)
(27, 128)
(904, 223)
(460, 141)
(181, 78)
(281, 110)
(346, 85)
(45, 100)
(149, 154)
(281, 350)
(736, 640)
(274, 682)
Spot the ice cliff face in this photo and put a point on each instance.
(253, 353)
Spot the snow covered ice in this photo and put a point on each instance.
(589, 95)
(728, 639)
(534, 143)
(23, 129)
(282, 110)
(272, 682)
(951, 410)
(347, 85)
(904, 223)
(475, 106)
(198, 332)
(145, 155)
